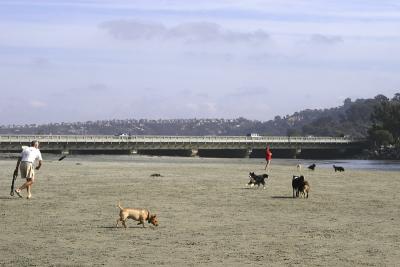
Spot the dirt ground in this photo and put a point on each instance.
(207, 216)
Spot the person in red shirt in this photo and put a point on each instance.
(268, 157)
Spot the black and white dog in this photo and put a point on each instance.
(257, 179)
(297, 184)
(338, 168)
(300, 186)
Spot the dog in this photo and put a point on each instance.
(300, 186)
(304, 190)
(140, 215)
(338, 168)
(298, 166)
(312, 166)
(297, 183)
(257, 179)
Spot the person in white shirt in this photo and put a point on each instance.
(25, 163)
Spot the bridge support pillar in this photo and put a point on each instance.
(248, 153)
(195, 152)
(297, 152)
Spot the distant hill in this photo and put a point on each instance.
(353, 118)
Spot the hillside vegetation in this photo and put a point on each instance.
(353, 118)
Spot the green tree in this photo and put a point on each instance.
(386, 120)
(380, 137)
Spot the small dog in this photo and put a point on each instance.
(257, 179)
(298, 166)
(305, 189)
(312, 166)
(338, 168)
(140, 215)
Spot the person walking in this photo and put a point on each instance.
(268, 157)
(25, 163)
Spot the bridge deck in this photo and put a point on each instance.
(63, 142)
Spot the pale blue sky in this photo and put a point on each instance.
(66, 60)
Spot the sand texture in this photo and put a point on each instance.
(207, 216)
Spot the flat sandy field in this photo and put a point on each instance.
(207, 216)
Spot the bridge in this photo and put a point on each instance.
(180, 145)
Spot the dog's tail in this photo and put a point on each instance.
(119, 205)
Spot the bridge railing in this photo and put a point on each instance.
(171, 139)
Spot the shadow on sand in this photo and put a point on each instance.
(9, 197)
(282, 197)
(120, 227)
(250, 188)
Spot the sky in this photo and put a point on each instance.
(87, 60)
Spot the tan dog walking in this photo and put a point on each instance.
(140, 215)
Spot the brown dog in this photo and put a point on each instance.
(305, 189)
(140, 215)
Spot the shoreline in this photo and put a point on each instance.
(351, 164)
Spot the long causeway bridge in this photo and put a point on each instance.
(182, 145)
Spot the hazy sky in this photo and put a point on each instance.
(79, 60)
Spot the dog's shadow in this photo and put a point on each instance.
(9, 198)
(282, 197)
(249, 188)
(121, 227)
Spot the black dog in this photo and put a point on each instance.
(338, 168)
(297, 184)
(312, 166)
(257, 179)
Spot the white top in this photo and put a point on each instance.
(30, 154)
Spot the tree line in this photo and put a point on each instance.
(376, 119)
(385, 130)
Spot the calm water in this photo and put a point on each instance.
(381, 165)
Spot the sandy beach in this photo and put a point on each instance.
(207, 216)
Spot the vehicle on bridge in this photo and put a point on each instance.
(123, 134)
(253, 135)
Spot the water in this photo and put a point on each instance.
(348, 164)
(376, 165)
